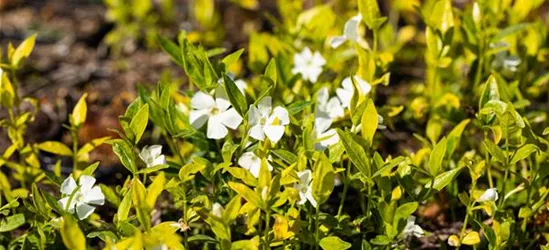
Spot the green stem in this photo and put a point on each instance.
(317, 226)
(74, 133)
(267, 229)
(346, 183)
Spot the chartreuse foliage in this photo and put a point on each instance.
(317, 146)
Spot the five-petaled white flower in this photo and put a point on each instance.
(266, 121)
(346, 93)
(251, 162)
(309, 65)
(305, 188)
(214, 111)
(411, 229)
(152, 155)
(490, 194)
(80, 197)
(350, 33)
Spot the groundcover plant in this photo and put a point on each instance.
(292, 141)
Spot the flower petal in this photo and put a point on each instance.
(337, 41)
(198, 118)
(310, 197)
(216, 129)
(202, 100)
(304, 177)
(246, 160)
(68, 185)
(274, 132)
(322, 96)
(155, 150)
(282, 115)
(264, 106)
(86, 183)
(94, 196)
(230, 118)
(221, 98)
(257, 132)
(84, 210)
(63, 204)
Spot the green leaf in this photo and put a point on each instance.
(271, 71)
(248, 194)
(285, 155)
(495, 151)
(323, 179)
(72, 236)
(509, 31)
(404, 211)
(523, 152)
(232, 209)
(172, 49)
(90, 169)
(436, 157)
(139, 201)
(155, 189)
(125, 153)
(369, 121)
(238, 100)
(23, 50)
(139, 122)
(490, 92)
(232, 58)
(55, 147)
(355, 152)
(442, 180)
(186, 172)
(124, 208)
(334, 243)
(455, 136)
(78, 116)
(370, 13)
(12, 222)
(298, 106)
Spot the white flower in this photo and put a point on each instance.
(216, 112)
(152, 155)
(305, 188)
(327, 110)
(251, 162)
(412, 229)
(346, 93)
(309, 65)
(218, 210)
(266, 121)
(490, 194)
(80, 197)
(330, 106)
(350, 33)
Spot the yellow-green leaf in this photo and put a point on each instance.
(436, 157)
(72, 236)
(155, 189)
(139, 122)
(334, 243)
(323, 179)
(79, 112)
(55, 147)
(471, 238)
(369, 121)
(247, 193)
(23, 50)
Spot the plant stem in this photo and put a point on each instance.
(346, 183)
(317, 226)
(267, 229)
